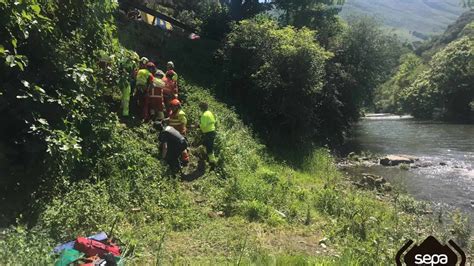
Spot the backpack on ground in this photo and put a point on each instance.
(92, 247)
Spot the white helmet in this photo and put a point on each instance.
(144, 60)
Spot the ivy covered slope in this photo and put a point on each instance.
(77, 169)
(60, 61)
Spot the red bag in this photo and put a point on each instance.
(92, 247)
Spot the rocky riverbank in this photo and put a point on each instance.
(400, 160)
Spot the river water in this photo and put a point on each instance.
(446, 150)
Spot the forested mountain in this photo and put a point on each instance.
(412, 19)
(437, 80)
(454, 31)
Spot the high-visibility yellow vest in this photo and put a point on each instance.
(179, 121)
(142, 77)
(207, 122)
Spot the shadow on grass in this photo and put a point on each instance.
(198, 171)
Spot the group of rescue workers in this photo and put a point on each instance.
(155, 99)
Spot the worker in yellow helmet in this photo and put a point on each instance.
(207, 123)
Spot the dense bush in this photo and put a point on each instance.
(440, 86)
(447, 84)
(60, 64)
(276, 76)
(365, 56)
(293, 88)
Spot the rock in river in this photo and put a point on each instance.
(369, 181)
(392, 160)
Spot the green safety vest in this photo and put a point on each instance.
(142, 77)
(207, 122)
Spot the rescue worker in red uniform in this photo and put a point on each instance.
(171, 88)
(156, 102)
(170, 67)
(144, 83)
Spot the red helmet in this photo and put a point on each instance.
(170, 73)
(150, 65)
(175, 102)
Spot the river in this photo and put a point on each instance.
(447, 150)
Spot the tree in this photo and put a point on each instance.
(387, 95)
(243, 9)
(364, 58)
(319, 15)
(276, 76)
(447, 85)
(55, 70)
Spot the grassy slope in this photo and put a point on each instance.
(252, 209)
(424, 16)
(230, 215)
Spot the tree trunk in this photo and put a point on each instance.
(236, 9)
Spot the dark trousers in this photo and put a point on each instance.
(208, 141)
(172, 158)
(173, 155)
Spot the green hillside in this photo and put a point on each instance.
(72, 164)
(424, 87)
(410, 19)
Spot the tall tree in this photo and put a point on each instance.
(319, 15)
(242, 9)
(364, 58)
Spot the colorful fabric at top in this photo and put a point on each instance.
(147, 18)
(163, 24)
(152, 20)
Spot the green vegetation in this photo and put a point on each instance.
(291, 87)
(442, 86)
(251, 209)
(57, 77)
(387, 96)
(318, 15)
(446, 84)
(76, 169)
(278, 75)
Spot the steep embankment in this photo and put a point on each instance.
(251, 209)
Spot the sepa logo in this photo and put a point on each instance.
(431, 252)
